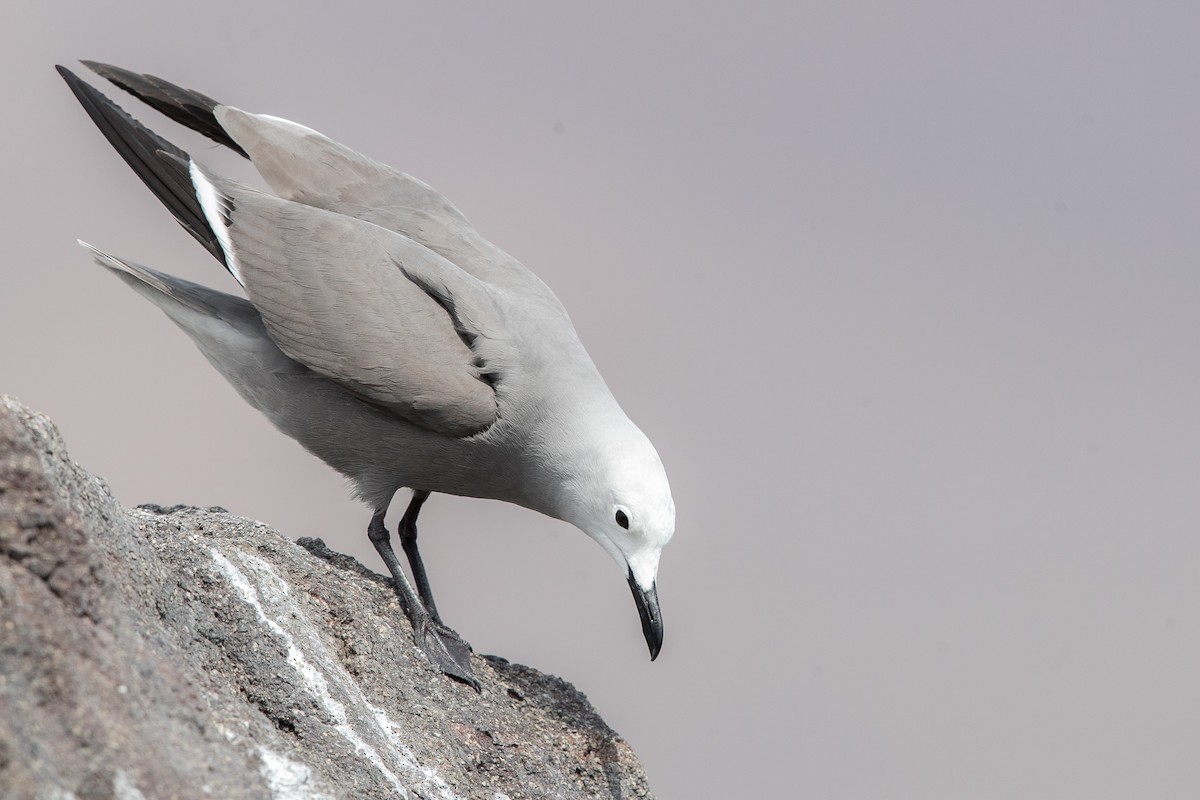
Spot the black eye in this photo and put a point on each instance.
(622, 520)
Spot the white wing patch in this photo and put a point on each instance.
(215, 208)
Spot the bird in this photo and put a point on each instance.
(387, 336)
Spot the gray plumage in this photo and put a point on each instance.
(389, 338)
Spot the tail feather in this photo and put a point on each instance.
(185, 106)
(163, 290)
(230, 333)
(162, 166)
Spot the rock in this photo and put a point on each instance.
(188, 653)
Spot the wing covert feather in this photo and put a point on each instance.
(333, 298)
(306, 166)
(303, 165)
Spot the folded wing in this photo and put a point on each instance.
(374, 311)
(338, 295)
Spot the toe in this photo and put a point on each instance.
(448, 652)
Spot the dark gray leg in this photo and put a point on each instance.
(378, 533)
(442, 646)
(408, 540)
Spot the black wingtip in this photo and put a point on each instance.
(185, 106)
(168, 178)
(73, 80)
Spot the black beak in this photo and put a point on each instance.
(652, 626)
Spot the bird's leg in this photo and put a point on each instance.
(408, 540)
(378, 533)
(442, 646)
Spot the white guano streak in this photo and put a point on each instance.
(269, 590)
(124, 787)
(288, 779)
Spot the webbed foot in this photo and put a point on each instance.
(448, 651)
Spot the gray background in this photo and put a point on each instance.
(906, 298)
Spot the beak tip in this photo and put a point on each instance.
(648, 610)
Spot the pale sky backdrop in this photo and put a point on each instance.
(907, 296)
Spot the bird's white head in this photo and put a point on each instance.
(620, 497)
